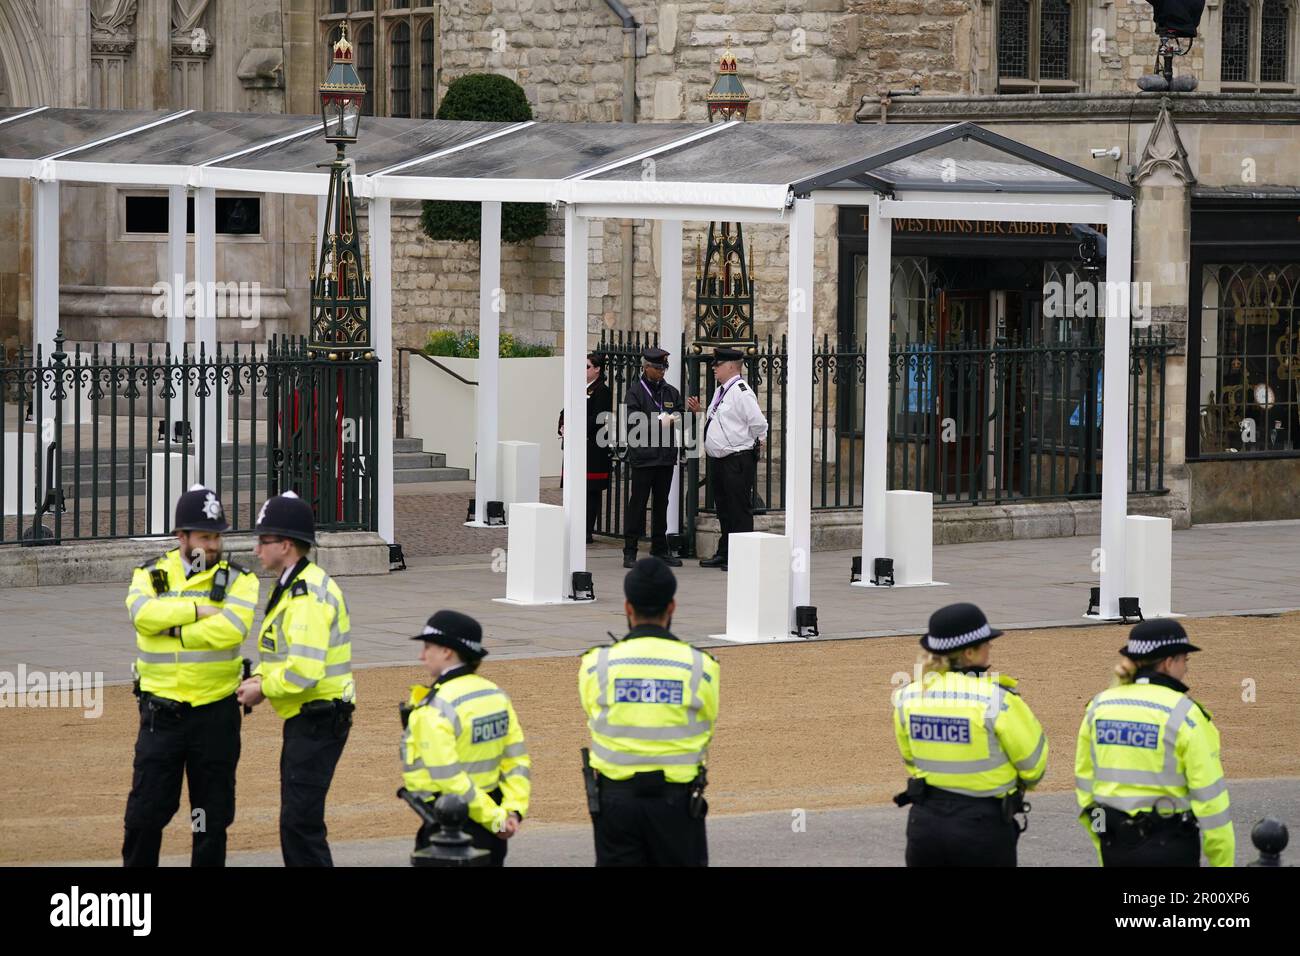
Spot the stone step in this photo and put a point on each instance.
(418, 460)
(409, 475)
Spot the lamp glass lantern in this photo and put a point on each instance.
(341, 95)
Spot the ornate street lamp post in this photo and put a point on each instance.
(340, 286)
(724, 291)
(328, 392)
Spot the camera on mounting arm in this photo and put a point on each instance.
(1092, 248)
(1176, 23)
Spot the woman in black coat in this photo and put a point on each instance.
(599, 399)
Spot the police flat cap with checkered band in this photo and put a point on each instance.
(460, 632)
(957, 626)
(1157, 638)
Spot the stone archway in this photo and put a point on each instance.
(24, 59)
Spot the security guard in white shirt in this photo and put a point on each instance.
(733, 429)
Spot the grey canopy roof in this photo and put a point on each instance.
(758, 165)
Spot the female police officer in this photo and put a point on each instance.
(970, 744)
(1146, 768)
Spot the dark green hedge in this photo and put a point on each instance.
(483, 96)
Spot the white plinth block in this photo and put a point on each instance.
(170, 474)
(535, 554)
(518, 473)
(909, 536)
(758, 587)
(1149, 568)
(13, 503)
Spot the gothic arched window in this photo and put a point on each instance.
(1236, 41)
(1035, 40)
(399, 71)
(426, 70)
(1274, 37)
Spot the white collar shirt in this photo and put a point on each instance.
(733, 420)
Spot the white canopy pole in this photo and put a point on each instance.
(670, 333)
(206, 426)
(875, 389)
(381, 331)
(45, 268)
(491, 303)
(576, 230)
(45, 323)
(1114, 448)
(177, 200)
(799, 413)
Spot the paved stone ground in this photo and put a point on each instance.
(1218, 569)
(870, 836)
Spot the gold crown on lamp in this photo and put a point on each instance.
(342, 48)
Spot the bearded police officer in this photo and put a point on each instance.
(191, 610)
(971, 747)
(463, 736)
(654, 411)
(1147, 772)
(305, 672)
(733, 429)
(651, 702)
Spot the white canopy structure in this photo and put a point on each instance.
(747, 172)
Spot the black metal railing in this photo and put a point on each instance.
(98, 443)
(972, 424)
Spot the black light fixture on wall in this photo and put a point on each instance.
(1176, 23)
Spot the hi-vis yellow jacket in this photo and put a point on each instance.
(651, 701)
(177, 656)
(969, 734)
(463, 736)
(304, 647)
(1149, 746)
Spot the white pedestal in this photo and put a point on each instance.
(1149, 563)
(518, 474)
(909, 536)
(169, 476)
(758, 588)
(14, 503)
(535, 554)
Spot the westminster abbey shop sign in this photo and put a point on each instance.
(977, 237)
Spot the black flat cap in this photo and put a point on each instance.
(656, 357)
(727, 355)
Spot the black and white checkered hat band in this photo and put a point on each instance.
(1143, 648)
(961, 640)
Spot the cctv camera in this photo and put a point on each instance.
(1112, 153)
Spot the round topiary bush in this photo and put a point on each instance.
(483, 97)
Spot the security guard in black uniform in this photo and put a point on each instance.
(651, 701)
(654, 411)
(734, 428)
(305, 672)
(191, 611)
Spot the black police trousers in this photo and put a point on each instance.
(646, 822)
(479, 835)
(949, 829)
(732, 480)
(1159, 843)
(203, 744)
(312, 746)
(652, 481)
